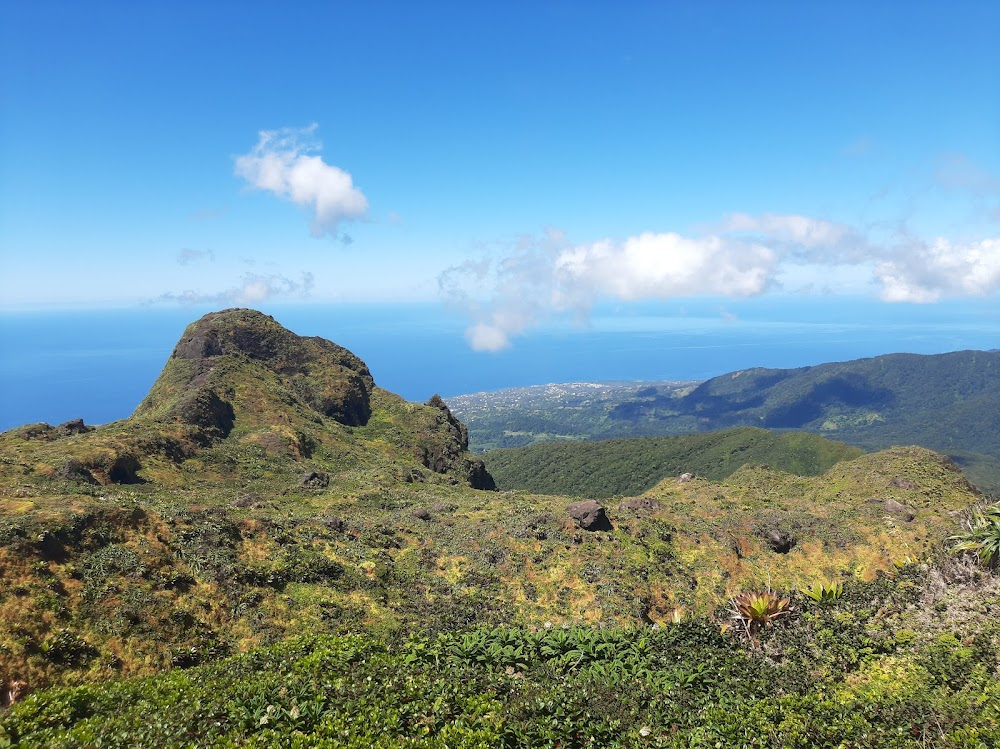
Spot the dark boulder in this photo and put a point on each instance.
(779, 541)
(589, 515)
(420, 513)
(314, 480)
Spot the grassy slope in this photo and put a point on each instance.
(217, 548)
(880, 667)
(102, 580)
(626, 467)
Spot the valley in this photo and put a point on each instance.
(949, 403)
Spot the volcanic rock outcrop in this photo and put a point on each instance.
(234, 364)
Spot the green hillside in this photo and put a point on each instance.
(627, 467)
(949, 403)
(274, 551)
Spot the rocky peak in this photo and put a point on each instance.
(222, 349)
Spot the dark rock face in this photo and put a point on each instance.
(779, 541)
(47, 433)
(589, 515)
(444, 447)
(75, 426)
(456, 427)
(446, 440)
(479, 477)
(117, 468)
(125, 469)
(323, 376)
(640, 505)
(314, 480)
(204, 408)
(74, 470)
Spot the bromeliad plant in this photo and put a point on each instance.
(982, 536)
(821, 593)
(752, 610)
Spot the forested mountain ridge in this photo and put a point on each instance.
(946, 402)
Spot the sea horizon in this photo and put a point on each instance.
(98, 365)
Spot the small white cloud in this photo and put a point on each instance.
(254, 288)
(487, 337)
(285, 162)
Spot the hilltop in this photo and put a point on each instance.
(240, 395)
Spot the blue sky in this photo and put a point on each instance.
(519, 162)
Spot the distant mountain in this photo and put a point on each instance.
(946, 402)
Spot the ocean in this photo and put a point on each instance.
(99, 364)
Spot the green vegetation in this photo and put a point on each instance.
(871, 669)
(627, 467)
(945, 402)
(245, 562)
(982, 536)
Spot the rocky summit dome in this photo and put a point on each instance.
(241, 364)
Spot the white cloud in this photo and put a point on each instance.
(803, 230)
(541, 277)
(661, 266)
(925, 273)
(538, 278)
(484, 336)
(284, 162)
(253, 288)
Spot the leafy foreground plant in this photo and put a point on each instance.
(822, 593)
(982, 537)
(753, 610)
(829, 678)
